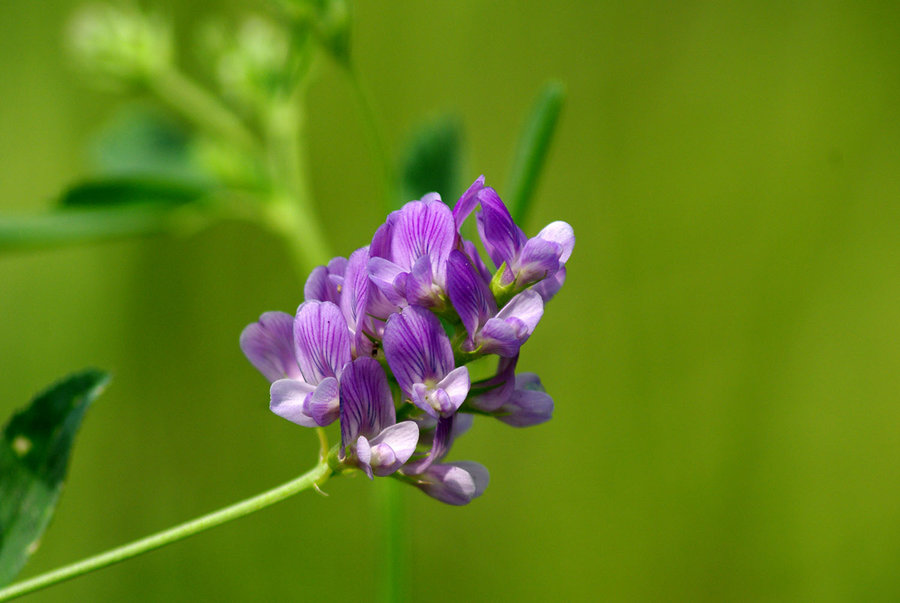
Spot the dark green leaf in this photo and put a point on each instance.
(34, 455)
(432, 161)
(532, 149)
(126, 191)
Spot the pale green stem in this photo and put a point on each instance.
(394, 553)
(312, 478)
(202, 108)
(291, 213)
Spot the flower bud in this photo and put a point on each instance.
(121, 46)
(252, 65)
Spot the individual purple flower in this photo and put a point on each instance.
(490, 394)
(269, 346)
(322, 348)
(490, 332)
(370, 435)
(517, 400)
(409, 253)
(522, 261)
(455, 483)
(421, 358)
(528, 404)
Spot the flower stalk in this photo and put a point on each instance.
(313, 478)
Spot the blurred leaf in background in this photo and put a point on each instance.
(432, 161)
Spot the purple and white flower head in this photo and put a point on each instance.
(383, 337)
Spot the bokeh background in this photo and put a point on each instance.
(724, 357)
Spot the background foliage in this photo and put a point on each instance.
(723, 358)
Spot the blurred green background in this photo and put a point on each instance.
(723, 358)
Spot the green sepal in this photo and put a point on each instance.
(34, 455)
(502, 293)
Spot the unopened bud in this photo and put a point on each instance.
(122, 46)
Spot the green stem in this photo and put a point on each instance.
(393, 535)
(291, 213)
(200, 107)
(314, 477)
(376, 140)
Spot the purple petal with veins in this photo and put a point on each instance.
(491, 394)
(321, 340)
(423, 228)
(441, 440)
(420, 284)
(528, 405)
(367, 406)
(269, 346)
(561, 233)
(469, 294)
(467, 202)
(416, 347)
(501, 237)
(324, 403)
(363, 451)
(324, 282)
(288, 400)
(551, 285)
(393, 446)
(381, 241)
(505, 333)
(354, 298)
(390, 280)
(539, 259)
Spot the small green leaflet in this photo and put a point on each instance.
(125, 191)
(34, 455)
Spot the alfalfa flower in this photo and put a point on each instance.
(383, 337)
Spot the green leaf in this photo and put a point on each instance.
(432, 161)
(110, 209)
(71, 226)
(531, 151)
(141, 142)
(34, 455)
(126, 191)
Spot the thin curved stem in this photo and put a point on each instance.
(202, 108)
(312, 478)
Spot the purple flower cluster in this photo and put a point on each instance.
(382, 340)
